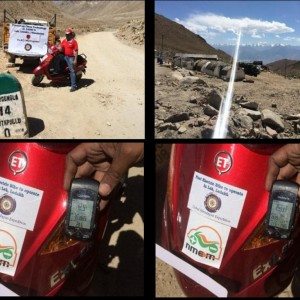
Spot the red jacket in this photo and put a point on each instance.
(69, 47)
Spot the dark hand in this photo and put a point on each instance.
(284, 164)
(109, 162)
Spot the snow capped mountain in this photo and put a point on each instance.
(263, 51)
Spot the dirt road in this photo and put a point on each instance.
(108, 104)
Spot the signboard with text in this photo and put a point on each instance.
(28, 40)
(13, 118)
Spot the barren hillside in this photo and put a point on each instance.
(83, 16)
(179, 39)
(113, 13)
(286, 67)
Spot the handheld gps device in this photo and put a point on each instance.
(82, 209)
(282, 209)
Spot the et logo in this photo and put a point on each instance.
(17, 162)
(223, 162)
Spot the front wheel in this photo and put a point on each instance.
(37, 79)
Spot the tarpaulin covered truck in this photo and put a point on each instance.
(27, 39)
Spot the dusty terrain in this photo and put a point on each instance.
(133, 32)
(121, 263)
(110, 100)
(108, 104)
(184, 100)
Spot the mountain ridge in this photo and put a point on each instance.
(177, 38)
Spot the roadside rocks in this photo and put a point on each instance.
(215, 99)
(186, 107)
(210, 111)
(253, 114)
(250, 105)
(177, 118)
(191, 80)
(273, 120)
(165, 126)
(177, 75)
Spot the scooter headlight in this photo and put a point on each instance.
(57, 241)
(259, 239)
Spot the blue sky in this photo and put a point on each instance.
(270, 22)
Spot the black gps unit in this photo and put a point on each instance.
(82, 209)
(282, 209)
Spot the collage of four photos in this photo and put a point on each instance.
(203, 95)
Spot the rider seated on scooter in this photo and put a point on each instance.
(69, 48)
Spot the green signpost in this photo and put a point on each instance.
(13, 117)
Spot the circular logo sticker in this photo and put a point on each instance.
(17, 162)
(7, 205)
(28, 47)
(212, 203)
(223, 162)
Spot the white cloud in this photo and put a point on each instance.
(200, 23)
(289, 38)
(277, 35)
(292, 39)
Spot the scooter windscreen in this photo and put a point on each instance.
(36, 257)
(214, 220)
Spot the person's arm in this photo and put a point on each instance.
(284, 164)
(75, 52)
(109, 162)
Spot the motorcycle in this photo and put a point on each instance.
(240, 257)
(46, 68)
(36, 257)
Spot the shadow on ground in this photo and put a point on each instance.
(35, 126)
(127, 279)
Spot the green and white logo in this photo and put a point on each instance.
(205, 240)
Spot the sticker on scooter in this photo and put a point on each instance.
(212, 202)
(11, 243)
(223, 162)
(7, 205)
(216, 200)
(19, 203)
(17, 162)
(205, 240)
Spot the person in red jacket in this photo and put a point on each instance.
(69, 47)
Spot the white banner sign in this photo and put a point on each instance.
(19, 203)
(28, 40)
(216, 200)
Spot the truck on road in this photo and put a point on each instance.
(26, 38)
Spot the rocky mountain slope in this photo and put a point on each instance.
(83, 16)
(286, 67)
(114, 13)
(179, 39)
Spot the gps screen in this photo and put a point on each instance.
(81, 213)
(280, 214)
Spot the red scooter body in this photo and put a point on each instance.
(48, 260)
(46, 64)
(253, 265)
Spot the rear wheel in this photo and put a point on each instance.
(37, 79)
